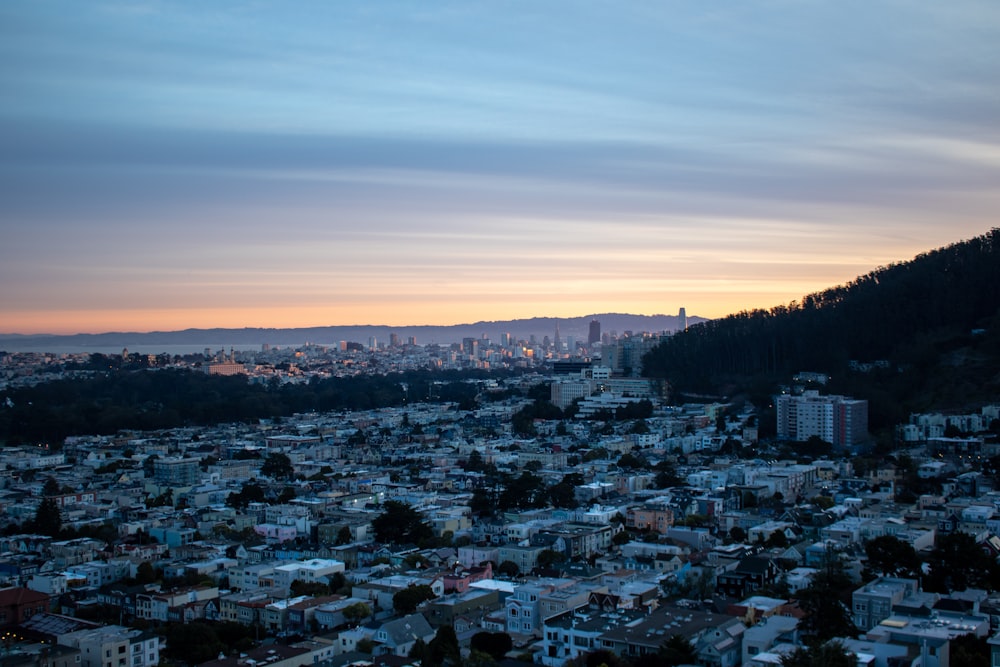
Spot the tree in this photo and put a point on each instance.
(524, 491)
(443, 649)
(889, 556)
(145, 573)
(508, 569)
(193, 643)
(823, 502)
(400, 523)
(777, 539)
(310, 588)
(826, 602)
(630, 461)
(563, 495)
(277, 466)
(407, 600)
(475, 462)
(483, 502)
(357, 612)
(969, 650)
(250, 492)
(666, 475)
(344, 535)
(599, 658)
(677, 650)
(165, 499)
(50, 488)
(639, 426)
(957, 563)
(48, 519)
(828, 654)
(287, 495)
(338, 582)
(496, 644)
(549, 557)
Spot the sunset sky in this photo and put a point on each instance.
(166, 165)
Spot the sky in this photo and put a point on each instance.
(167, 165)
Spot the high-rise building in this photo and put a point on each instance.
(839, 420)
(470, 346)
(594, 336)
(682, 320)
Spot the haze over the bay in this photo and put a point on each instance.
(166, 165)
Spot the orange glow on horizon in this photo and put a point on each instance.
(377, 313)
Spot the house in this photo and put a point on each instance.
(722, 646)
(644, 635)
(751, 574)
(767, 634)
(397, 637)
(18, 604)
(473, 605)
(461, 580)
(274, 655)
(114, 646)
(873, 602)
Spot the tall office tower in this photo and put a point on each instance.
(682, 323)
(412, 340)
(556, 342)
(372, 343)
(506, 339)
(595, 333)
(393, 340)
(470, 346)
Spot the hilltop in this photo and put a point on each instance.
(910, 336)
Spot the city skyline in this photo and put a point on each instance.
(168, 166)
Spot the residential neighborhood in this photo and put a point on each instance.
(374, 536)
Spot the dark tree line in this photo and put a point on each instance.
(910, 314)
(169, 398)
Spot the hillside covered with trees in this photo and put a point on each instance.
(934, 319)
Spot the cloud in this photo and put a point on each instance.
(358, 153)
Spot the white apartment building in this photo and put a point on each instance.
(839, 420)
(114, 646)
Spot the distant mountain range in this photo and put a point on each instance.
(576, 327)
